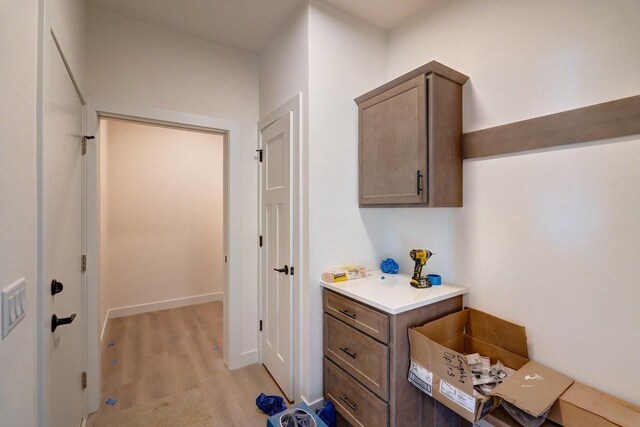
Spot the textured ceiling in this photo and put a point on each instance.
(384, 14)
(249, 24)
(243, 24)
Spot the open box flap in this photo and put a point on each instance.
(498, 332)
(533, 388)
(445, 328)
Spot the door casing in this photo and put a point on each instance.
(232, 323)
(292, 106)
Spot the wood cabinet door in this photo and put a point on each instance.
(393, 146)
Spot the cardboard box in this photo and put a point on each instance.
(583, 406)
(439, 367)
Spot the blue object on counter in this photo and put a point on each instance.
(389, 266)
(435, 279)
(270, 405)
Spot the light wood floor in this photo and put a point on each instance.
(150, 356)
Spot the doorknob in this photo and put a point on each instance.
(59, 321)
(56, 287)
(284, 270)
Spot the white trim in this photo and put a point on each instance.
(315, 405)
(158, 305)
(130, 310)
(232, 232)
(294, 107)
(249, 357)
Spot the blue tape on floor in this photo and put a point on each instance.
(114, 362)
(216, 348)
(111, 402)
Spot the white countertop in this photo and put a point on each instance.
(393, 294)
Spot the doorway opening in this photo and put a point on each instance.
(162, 258)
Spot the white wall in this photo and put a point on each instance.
(346, 58)
(165, 214)
(18, 68)
(550, 239)
(134, 62)
(284, 72)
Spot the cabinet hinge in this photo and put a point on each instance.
(260, 242)
(261, 326)
(83, 263)
(84, 380)
(85, 139)
(259, 155)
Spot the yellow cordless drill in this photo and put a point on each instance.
(420, 256)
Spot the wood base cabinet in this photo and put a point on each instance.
(366, 361)
(409, 136)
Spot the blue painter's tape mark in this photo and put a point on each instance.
(114, 362)
(111, 402)
(216, 348)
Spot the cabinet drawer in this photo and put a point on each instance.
(361, 356)
(361, 317)
(358, 405)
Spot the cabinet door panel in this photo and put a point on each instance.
(393, 145)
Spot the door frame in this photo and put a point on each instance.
(232, 322)
(293, 106)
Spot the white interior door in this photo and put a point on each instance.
(277, 291)
(62, 165)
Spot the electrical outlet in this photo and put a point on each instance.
(13, 305)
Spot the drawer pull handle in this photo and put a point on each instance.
(346, 350)
(346, 313)
(353, 405)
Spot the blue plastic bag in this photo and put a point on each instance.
(389, 266)
(328, 414)
(270, 405)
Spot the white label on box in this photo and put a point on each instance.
(421, 378)
(458, 396)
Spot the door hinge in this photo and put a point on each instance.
(260, 241)
(84, 143)
(84, 380)
(83, 263)
(291, 270)
(259, 155)
(261, 326)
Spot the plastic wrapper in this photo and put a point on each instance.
(522, 417)
(270, 405)
(343, 274)
(389, 266)
(297, 418)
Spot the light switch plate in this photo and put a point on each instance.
(13, 304)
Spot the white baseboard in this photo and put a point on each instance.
(163, 305)
(248, 358)
(315, 404)
(104, 325)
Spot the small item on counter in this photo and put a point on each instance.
(435, 279)
(485, 375)
(420, 256)
(389, 266)
(381, 277)
(344, 274)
